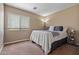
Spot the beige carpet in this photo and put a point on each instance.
(22, 48)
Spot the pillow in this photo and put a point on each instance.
(58, 28)
(51, 28)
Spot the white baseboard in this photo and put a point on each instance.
(16, 41)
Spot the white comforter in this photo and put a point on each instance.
(43, 38)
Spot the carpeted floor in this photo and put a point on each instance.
(29, 48)
(66, 49)
(22, 48)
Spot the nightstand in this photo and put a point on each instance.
(71, 36)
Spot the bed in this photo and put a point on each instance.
(49, 39)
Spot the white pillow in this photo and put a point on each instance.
(51, 28)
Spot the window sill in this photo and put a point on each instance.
(18, 29)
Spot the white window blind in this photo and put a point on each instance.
(16, 21)
(24, 22)
(13, 21)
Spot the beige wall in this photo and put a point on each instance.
(15, 35)
(67, 17)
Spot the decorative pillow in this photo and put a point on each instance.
(58, 28)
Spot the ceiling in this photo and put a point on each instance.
(42, 9)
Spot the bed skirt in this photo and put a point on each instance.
(58, 43)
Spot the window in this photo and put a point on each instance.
(24, 22)
(16, 21)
